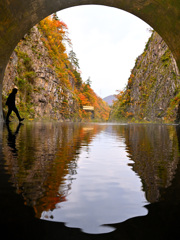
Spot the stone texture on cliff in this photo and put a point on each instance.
(31, 70)
(153, 87)
(156, 81)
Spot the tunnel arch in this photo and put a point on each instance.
(18, 16)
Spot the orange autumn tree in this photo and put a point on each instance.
(88, 97)
(66, 66)
(56, 33)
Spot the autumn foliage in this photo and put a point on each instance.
(66, 66)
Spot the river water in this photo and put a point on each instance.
(89, 176)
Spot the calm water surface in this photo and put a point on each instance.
(90, 175)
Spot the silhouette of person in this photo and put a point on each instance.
(12, 105)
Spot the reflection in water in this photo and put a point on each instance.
(12, 138)
(154, 152)
(46, 162)
(103, 191)
(82, 174)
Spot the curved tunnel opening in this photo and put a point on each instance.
(25, 167)
(109, 54)
(145, 11)
(124, 134)
(112, 60)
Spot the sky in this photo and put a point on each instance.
(107, 42)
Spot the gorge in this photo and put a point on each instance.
(49, 81)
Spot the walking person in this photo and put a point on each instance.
(12, 105)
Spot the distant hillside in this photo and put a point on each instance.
(109, 99)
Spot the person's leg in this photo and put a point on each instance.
(17, 114)
(8, 114)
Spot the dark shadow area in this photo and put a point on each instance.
(18, 220)
(12, 138)
(11, 103)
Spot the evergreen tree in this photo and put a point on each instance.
(73, 59)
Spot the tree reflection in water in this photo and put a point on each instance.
(47, 156)
(41, 177)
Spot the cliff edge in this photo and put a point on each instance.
(153, 89)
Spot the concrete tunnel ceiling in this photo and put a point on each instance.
(18, 16)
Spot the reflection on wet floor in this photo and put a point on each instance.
(39, 164)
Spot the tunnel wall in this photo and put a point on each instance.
(18, 16)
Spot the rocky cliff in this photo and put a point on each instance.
(39, 88)
(49, 84)
(152, 92)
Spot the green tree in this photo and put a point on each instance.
(78, 82)
(73, 59)
(88, 82)
(55, 17)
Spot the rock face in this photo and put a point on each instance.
(152, 92)
(41, 92)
